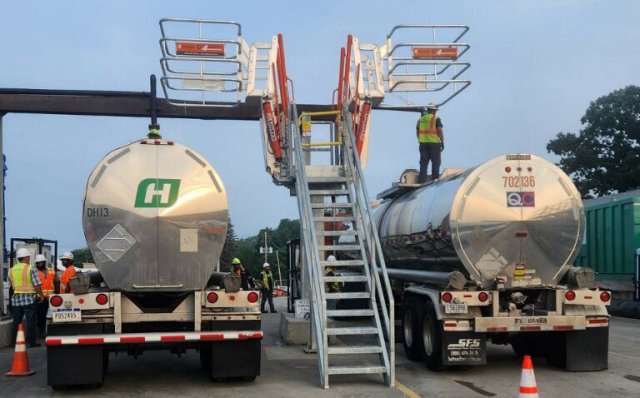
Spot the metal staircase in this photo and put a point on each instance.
(356, 337)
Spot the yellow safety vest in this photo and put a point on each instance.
(265, 279)
(427, 131)
(20, 277)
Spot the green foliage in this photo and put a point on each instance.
(229, 248)
(82, 256)
(604, 158)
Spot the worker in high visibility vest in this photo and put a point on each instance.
(431, 142)
(70, 271)
(238, 269)
(46, 276)
(25, 284)
(331, 287)
(266, 279)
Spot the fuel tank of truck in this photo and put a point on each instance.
(155, 217)
(516, 219)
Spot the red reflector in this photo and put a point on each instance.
(172, 338)
(467, 295)
(212, 297)
(143, 142)
(136, 339)
(102, 299)
(56, 301)
(500, 329)
(529, 328)
(169, 142)
(447, 297)
(91, 340)
(232, 298)
(212, 337)
(564, 327)
(252, 297)
(605, 296)
(570, 295)
(521, 234)
(81, 301)
(483, 296)
(450, 324)
(244, 336)
(588, 297)
(598, 321)
(53, 341)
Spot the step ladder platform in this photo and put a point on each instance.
(359, 330)
(349, 313)
(347, 295)
(346, 278)
(361, 349)
(352, 370)
(342, 263)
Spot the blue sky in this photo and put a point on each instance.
(536, 66)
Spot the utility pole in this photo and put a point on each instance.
(266, 247)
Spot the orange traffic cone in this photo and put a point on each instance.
(528, 387)
(20, 366)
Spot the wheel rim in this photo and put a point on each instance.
(427, 335)
(407, 328)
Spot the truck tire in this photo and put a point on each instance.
(431, 337)
(411, 321)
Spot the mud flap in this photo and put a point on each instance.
(587, 350)
(72, 365)
(464, 348)
(235, 358)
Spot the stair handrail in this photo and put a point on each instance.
(316, 283)
(376, 255)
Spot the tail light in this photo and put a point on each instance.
(252, 297)
(570, 295)
(447, 297)
(55, 301)
(102, 299)
(605, 296)
(212, 297)
(483, 297)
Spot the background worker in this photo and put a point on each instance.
(266, 278)
(70, 271)
(46, 276)
(431, 142)
(331, 287)
(238, 269)
(25, 284)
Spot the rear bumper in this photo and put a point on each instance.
(142, 338)
(526, 324)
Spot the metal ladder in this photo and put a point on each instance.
(357, 337)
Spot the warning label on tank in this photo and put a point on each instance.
(521, 199)
(116, 243)
(464, 349)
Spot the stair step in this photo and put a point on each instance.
(346, 278)
(351, 330)
(328, 192)
(347, 232)
(331, 205)
(338, 247)
(326, 180)
(342, 263)
(341, 313)
(363, 349)
(336, 219)
(348, 295)
(352, 370)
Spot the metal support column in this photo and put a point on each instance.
(2, 263)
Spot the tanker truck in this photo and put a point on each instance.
(485, 254)
(155, 220)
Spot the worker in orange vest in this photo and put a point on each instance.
(70, 271)
(46, 276)
(431, 142)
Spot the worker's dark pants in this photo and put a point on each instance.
(41, 316)
(28, 312)
(430, 152)
(267, 295)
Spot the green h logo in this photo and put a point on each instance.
(157, 192)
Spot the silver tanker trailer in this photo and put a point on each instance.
(155, 220)
(485, 254)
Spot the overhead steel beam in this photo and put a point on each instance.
(121, 103)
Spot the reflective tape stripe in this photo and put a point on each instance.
(151, 338)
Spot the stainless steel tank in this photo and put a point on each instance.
(155, 217)
(516, 218)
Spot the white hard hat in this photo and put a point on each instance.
(331, 258)
(433, 106)
(40, 258)
(265, 265)
(22, 252)
(67, 255)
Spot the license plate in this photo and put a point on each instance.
(456, 308)
(71, 315)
